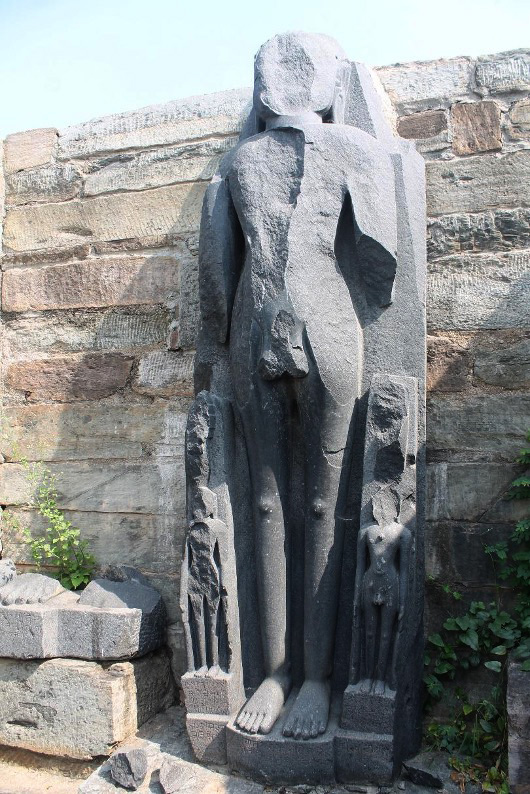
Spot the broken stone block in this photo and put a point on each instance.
(503, 73)
(128, 768)
(79, 709)
(29, 149)
(111, 620)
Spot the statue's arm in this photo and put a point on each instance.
(404, 558)
(221, 256)
(359, 572)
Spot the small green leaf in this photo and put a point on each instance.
(435, 639)
(500, 650)
(493, 665)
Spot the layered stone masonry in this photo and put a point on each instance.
(100, 312)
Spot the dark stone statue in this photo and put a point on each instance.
(301, 585)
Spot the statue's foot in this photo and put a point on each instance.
(261, 711)
(309, 715)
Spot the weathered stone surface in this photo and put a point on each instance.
(425, 124)
(173, 122)
(509, 367)
(177, 648)
(39, 701)
(29, 149)
(77, 331)
(503, 73)
(128, 768)
(29, 588)
(87, 377)
(207, 735)
(93, 430)
(152, 542)
(107, 488)
(520, 114)
(159, 167)
(161, 211)
(166, 373)
(476, 127)
(478, 183)
(474, 292)
(181, 777)
(482, 424)
(418, 86)
(455, 551)
(499, 230)
(448, 365)
(7, 571)
(471, 492)
(518, 705)
(51, 183)
(115, 281)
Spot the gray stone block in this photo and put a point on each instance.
(207, 734)
(29, 588)
(508, 367)
(366, 712)
(214, 692)
(181, 777)
(503, 73)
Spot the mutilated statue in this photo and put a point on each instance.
(299, 267)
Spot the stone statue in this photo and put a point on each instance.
(299, 252)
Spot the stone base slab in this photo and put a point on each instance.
(79, 709)
(365, 758)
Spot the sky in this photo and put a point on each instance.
(67, 61)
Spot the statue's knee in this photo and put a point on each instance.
(266, 504)
(318, 509)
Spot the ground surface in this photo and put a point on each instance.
(22, 772)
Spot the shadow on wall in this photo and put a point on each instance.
(99, 370)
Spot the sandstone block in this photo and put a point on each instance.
(425, 124)
(478, 183)
(498, 230)
(422, 86)
(29, 149)
(148, 213)
(455, 551)
(82, 377)
(79, 709)
(115, 281)
(163, 372)
(150, 542)
(485, 424)
(107, 488)
(50, 183)
(92, 430)
(520, 114)
(471, 492)
(503, 73)
(171, 123)
(164, 166)
(474, 292)
(78, 331)
(448, 365)
(509, 367)
(476, 127)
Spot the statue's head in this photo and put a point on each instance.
(299, 73)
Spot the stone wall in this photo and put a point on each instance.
(99, 312)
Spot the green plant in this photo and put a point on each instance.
(60, 546)
(484, 635)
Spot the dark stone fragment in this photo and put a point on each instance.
(428, 769)
(129, 768)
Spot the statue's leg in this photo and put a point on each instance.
(325, 428)
(371, 619)
(266, 425)
(388, 617)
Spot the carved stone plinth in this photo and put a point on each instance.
(367, 712)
